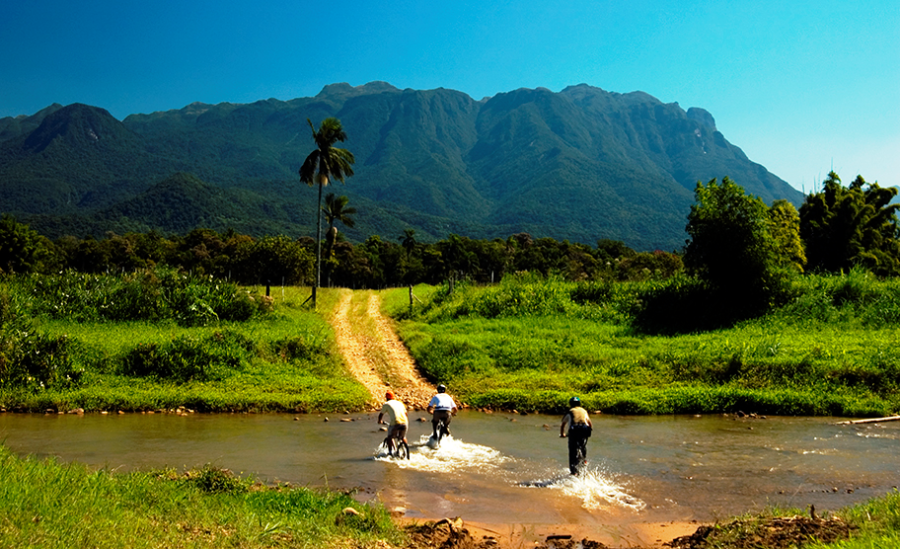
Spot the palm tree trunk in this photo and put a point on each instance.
(318, 245)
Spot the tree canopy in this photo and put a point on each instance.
(849, 226)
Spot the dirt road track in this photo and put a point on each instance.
(373, 352)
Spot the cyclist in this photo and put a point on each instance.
(442, 407)
(398, 420)
(580, 428)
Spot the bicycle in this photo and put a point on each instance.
(401, 449)
(442, 430)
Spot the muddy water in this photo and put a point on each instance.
(500, 468)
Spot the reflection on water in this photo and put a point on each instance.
(500, 468)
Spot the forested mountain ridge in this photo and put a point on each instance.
(581, 164)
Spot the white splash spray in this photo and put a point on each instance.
(451, 455)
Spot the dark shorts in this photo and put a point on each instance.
(398, 431)
(439, 415)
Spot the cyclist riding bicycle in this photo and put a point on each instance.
(442, 408)
(580, 428)
(398, 420)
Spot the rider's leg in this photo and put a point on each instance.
(573, 454)
(395, 432)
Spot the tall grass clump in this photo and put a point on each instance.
(616, 301)
(876, 524)
(211, 358)
(520, 295)
(31, 360)
(158, 294)
(684, 304)
(854, 298)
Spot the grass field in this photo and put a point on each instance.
(526, 344)
(282, 361)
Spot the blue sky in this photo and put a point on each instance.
(801, 86)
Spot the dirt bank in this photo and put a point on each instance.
(745, 533)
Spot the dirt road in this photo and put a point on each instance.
(374, 353)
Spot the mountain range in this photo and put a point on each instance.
(580, 164)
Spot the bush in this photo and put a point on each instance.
(297, 348)
(188, 359)
(160, 294)
(33, 361)
(215, 480)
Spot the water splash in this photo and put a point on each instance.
(597, 490)
(451, 455)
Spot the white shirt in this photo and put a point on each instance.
(442, 401)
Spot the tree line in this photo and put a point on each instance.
(375, 263)
(735, 242)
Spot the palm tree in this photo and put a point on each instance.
(408, 241)
(325, 162)
(335, 210)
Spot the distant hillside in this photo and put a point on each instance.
(581, 164)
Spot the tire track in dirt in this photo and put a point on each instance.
(367, 340)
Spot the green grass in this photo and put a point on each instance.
(877, 521)
(520, 345)
(55, 505)
(282, 361)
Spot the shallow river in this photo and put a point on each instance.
(504, 468)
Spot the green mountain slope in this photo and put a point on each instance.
(581, 164)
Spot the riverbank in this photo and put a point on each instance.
(529, 344)
(55, 505)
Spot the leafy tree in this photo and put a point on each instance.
(847, 226)
(731, 248)
(785, 229)
(280, 258)
(21, 248)
(324, 163)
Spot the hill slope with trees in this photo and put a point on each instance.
(581, 164)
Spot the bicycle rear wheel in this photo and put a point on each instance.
(401, 449)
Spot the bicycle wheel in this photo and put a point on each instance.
(402, 449)
(439, 432)
(386, 444)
